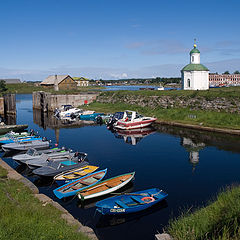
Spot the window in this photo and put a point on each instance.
(188, 83)
(192, 58)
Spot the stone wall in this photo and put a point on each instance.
(196, 103)
(49, 102)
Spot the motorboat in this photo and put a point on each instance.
(160, 88)
(66, 111)
(56, 167)
(132, 120)
(113, 119)
(19, 139)
(24, 146)
(32, 154)
(73, 187)
(105, 187)
(44, 160)
(131, 202)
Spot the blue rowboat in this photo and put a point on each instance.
(131, 202)
(90, 116)
(75, 186)
(20, 139)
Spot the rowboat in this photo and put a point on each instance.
(131, 202)
(132, 120)
(75, 186)
(105, 187)
(19, 139)
(74, 174)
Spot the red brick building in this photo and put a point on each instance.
(224, 79)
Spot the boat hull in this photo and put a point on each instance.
(134, 125)
(131, 203)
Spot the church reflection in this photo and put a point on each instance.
(133, 136)
(193, 148)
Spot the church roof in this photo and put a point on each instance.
(194, 50)
(195, 67)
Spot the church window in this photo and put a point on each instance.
(188, 83)
(192, 58)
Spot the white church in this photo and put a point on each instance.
(195, 76)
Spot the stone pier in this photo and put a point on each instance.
(49, 102)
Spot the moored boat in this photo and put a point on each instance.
(24, 146)
(106, 186)
(131, 202)
(79, 184)
(132, 120)
(54, 168)
(74, 174)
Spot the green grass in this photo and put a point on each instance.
(25, 88)
(181, 115)
(24, 217)
(228, 92)
(219, 220)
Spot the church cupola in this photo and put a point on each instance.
(195, 55)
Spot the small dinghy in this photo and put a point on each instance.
(35, 154)
(131, 202)
(44, 159)
(57, 167)
(74, 174)
(24, 146)
(105, 187)
(75, 186)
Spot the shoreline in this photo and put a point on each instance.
(44, 200)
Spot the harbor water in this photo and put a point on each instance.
(191, 166)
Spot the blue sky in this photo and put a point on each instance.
(112, 39)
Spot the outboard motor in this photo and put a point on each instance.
(99, 120)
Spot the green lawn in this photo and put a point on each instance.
(219, 220)
(181, 115)
(23, 217)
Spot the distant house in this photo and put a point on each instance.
(11, 80)
(81, 82)
(63, 82)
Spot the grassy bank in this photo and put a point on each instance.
(226, 92)
(219, 220)
(25, 88)
(181, 115)
(23, 217)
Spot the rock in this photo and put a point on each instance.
(163, 236)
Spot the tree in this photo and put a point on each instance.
(236, 72)
(226, 72)
(3, 87)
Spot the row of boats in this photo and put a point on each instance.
(75, 176)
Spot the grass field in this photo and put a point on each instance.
(181, 115)
(23, 217)
(24, 88)
(219, 220)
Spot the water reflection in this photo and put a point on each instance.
(133, 136)
(193, 148)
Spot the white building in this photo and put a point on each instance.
(195, 76)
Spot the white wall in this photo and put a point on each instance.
(199, 80)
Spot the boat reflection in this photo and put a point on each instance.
(107, 220)
(133, 136)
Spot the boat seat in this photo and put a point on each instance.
(68, 177)
(121, 204)
(97, 176)
(74, 187)
(78, 173)
(85, 183)
(136, 199)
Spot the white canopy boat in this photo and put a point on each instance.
(132, 120)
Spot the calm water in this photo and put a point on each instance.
(191, 166)
(130, 87)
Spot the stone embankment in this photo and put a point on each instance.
(230, 105)
(12, 174)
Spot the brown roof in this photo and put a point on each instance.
(51, 79)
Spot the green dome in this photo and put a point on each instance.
(195, 67)
(194, 50)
